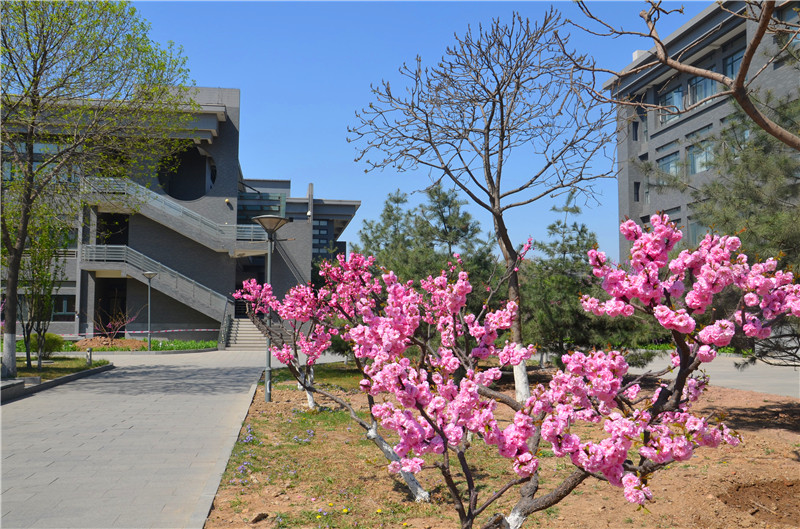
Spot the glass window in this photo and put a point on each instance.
(669, 164)
(63, 308)
(696, 233)
(731, 64)
(673, 102)
(700, 157)
(636, 188)
(789, 15)
(701, 88)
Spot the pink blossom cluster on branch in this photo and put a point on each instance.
(694, 278)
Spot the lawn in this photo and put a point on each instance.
(60, 366)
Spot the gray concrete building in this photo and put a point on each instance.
(674, 143)
(193, 227)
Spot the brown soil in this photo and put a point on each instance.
(102, 341)
(756, 484)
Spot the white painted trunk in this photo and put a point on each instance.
(521, 385)
(419, 493)
(9, 355)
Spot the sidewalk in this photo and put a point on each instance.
(775, 380)
(143, 445)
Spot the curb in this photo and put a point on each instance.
(206, 500)
(18, 393)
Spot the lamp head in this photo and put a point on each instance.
(271, 223)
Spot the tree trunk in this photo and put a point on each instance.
(10, 319)
(522, 388)
(307, 379)
(419, 493)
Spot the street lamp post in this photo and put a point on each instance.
(271, 224)
(149, 276)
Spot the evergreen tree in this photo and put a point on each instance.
(414, 241)
(553, 284)
(756, 190)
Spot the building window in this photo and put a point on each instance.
(635, 130)
(696, 233)
(673, 215)
(669, 164)
(701, 88)
(700, 157)
(636, 187)
(731, 64)
(672, 101)
(788, 35)
(63, 308)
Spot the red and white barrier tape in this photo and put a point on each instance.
(19, 337)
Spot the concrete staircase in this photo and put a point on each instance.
(133, 264)
(245, 336)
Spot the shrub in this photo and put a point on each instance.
(52, 343)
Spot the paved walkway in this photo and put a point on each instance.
(142, 445)
(775, 380)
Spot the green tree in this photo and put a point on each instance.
(553, 284)
(41, 275)
(390, 238)
(756, 194)
(756, 189)
(416, 241)
(85, 92)
(503, 89)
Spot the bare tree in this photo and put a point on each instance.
(499, 89)
(741, 87)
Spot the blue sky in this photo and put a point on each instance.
(305, 68)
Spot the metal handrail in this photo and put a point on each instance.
(166, 278)
(225, 327)
(143, 195)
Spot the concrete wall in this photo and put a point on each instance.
(208, 267)
(166, 314)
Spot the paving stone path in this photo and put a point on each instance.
(142, 445)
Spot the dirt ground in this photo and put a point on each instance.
(756, 484)
(101, 341)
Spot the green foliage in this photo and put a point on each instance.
(52, 343)
(181, 345)
(756, 192)
(40, 275)
(552, 285)
(85, 93)
(415, 242)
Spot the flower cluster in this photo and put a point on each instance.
(688, 290)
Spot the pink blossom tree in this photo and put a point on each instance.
(420, 347)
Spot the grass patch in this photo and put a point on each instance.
(156, 345)
(61, 366)
(338, 375)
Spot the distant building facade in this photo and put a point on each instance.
(193, 227)
(674, 143)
